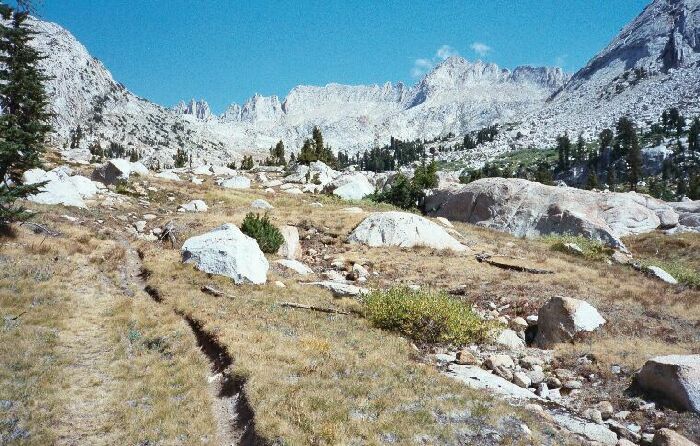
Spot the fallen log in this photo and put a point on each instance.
(486, 258)
(312, 308)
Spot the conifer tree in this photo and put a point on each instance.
(24, 104)
(634, 161)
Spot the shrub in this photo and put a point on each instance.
(269, 238)
(424, 316)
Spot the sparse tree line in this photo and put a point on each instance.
(615, 160)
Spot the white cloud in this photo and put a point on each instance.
(446, 51)
(480, 48)
(422, 66)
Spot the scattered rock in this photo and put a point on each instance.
(404, 230)
(354, 186)
(495, 361)
(660, 274)
(445, 222)
(667, 437)
(621, 258)
(140, 225)
(466, 357)
(676, 378)
(590, 431)
(561, 318)
(236, 182)
(260, 204)
(194, 206)
(168, 175)
(295, 266)
(521, 379)
(606, 409)
(477, 378)
(118, 170)
(510, 339)
(340, 289)
(291, 248)
(228, 252)
(593, 415)
(573, 248)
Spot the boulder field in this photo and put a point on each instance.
(528, 209)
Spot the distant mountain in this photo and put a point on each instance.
(456, 96)
(651, 65)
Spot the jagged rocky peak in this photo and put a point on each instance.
(199, 109)
(547, 77)
(666, 35)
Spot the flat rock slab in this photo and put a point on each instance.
(478, 378)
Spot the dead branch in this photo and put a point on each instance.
(312, 308)
(207, 289)
(485, 258)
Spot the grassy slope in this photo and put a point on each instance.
(77, 366)
(316, 378)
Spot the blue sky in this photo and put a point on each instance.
(225, 51)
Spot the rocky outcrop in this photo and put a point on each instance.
(226, 251)
(117, 171)
(688, 213)
(404, 230)
(673, 378)
(562, 318)
(528, 209)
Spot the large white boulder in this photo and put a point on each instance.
(236, 182)
(404, 230)
(227, 251)
(118, 170)
(61, 188)
(674, 378)
(529, 209)
(561, 318)
(352, 186)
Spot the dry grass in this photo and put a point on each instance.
(86, 363)
(318, 379)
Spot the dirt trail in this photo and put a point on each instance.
(89, 383)
(234, 417)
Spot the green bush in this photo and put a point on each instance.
(269, 238)
(425, 316)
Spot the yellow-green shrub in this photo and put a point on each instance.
(425, 316)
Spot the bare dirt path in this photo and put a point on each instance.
(89, 383)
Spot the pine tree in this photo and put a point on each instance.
(180, 158)
(592, 180)
(634, 161)
(564, 149)
(24, 104)
(580, 148)
(694, 136)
